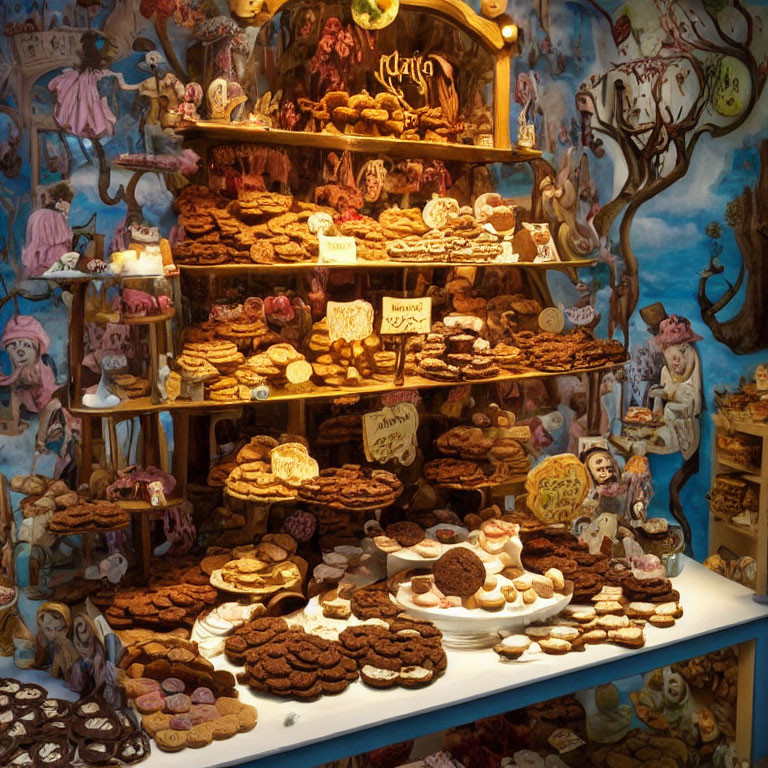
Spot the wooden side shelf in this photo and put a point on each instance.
(740, 540)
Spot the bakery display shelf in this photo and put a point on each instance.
(145, 405)
(139, 505)
(149, 319)
(81, 277)
(265, 500)
(512, 480)
(476, 684)
(136, 168)
(376, 145)
(740, 529)
(749, 427)
(749, 473)
(225, 270)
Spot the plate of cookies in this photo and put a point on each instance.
(470, 604)
(250, 576)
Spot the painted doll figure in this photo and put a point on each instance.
(80, 108)
(679, 389)
(31, 379)
(54, 648)
(88, 672)
(49, 235)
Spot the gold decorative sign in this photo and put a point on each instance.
(402, 316)
(556, 488)
(394, 69)
(391, 434)
(337, 249)
(349, 320)
(292, 463)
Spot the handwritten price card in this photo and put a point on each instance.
(349, 320)
(337, 249)
(557, 488)
(391, 434)
(406, 315)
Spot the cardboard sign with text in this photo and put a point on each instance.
(402, 316)
(391, 434)
(337, 250)
(349, 320)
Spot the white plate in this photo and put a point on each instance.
(478, 628)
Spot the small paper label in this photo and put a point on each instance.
(391, 434)
(565, 740)
(349, 320)
(337, 250)
(406, 315)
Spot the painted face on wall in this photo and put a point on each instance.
(732, 87)
(245, 9)
(680, 359)
(602, 468)
(50, 625)
(23, 352)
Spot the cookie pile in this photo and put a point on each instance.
(130, 386)
(374, 602)
(161, 608)
(88, 516)
(154, 656)
(53, 732)
(179, 714)
(259, 227)
(380, 115)
(643, 749)
(352, 486)
(247, 574)
(576, 348)
(471, 474)
(299, 665)
(253, 481)
(271, 365)
(348, 364)
(253, 634)
(339, 430)
(448, 354)
(395, 652)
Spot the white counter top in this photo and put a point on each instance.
(711, 603)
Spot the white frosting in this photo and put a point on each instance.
(50, 753)
(379, 674)
(99, 724)
(89, 708)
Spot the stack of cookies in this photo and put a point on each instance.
(161, 608)
(126, 385)
(577, 348)
(259, 227)
(296, 664)
(352, 486)
(369, 236)
(253, 481)
(398, 651)
(88, 516)
(272, 366)
(451, 354)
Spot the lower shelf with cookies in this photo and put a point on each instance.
(328, 688)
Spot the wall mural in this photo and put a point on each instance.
(650, 117)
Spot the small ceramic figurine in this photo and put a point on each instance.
(224, 98)
(245, 9)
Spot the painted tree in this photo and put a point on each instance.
(685, 69)
(746, 331)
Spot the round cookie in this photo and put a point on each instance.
(406, 534)
(201, 735)
(171, 741)
(459, 572)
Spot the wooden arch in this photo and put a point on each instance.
(485, 31)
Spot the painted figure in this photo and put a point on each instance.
(54, 648)
(49, 235)
(31, 379)
(80, 108)
(679, 389)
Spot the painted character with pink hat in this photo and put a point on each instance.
(679, 388)
(31, 379)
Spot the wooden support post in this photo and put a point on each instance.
(76, 342)
(745, 691)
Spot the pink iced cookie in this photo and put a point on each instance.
(181, 723)
(178, 703)
(150, 702)
(203, 695)
(172, 685)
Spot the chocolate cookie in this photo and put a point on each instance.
(406, 534)
(374, 602)
(459, 572)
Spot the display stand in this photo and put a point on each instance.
(740, 539)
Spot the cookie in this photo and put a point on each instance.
(157, 721)
(459, 572)
(405, 533)
(200, 735)
(171, 741)
(225, 727)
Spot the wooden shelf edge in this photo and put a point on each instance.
(142, 405)
(244, 132)
(748, 532)
(234, 269)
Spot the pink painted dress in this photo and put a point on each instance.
(48, 238)
(80, 109)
